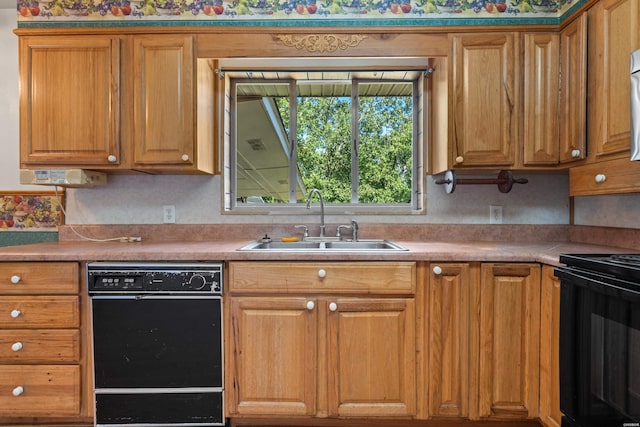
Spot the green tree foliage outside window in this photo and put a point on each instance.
(384, 147)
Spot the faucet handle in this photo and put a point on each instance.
(339, 230)
(305, 232)
(354, 227)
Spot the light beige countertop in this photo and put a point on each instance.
(541, 252)
(430, 242)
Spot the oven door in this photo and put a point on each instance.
(599, 350)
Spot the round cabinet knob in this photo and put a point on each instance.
(16, 346)
(185, 157)
(15, 313)
(600, 178)
(112, 158)
(18, 391)
(437, 270)
(333, 306)
(15, 279)
(322, 273)
(575, 154)
(310, 305)
(459, 159)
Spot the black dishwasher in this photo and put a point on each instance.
(157, 343)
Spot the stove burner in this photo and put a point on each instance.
(626, 258)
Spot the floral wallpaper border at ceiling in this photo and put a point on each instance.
(31, 210)
(290, 12)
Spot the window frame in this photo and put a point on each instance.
(419, 141)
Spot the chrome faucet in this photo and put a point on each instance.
(354, 229)
(311, 193)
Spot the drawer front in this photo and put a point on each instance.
(39, 278)
(39, 345)
(318, 277)
(39, 312)
(39, 390)
(610, 177)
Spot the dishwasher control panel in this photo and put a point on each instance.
(154, 278)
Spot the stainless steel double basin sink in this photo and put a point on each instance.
(325, 246)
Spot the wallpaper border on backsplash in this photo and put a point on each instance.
(31, 210)
(291, 13)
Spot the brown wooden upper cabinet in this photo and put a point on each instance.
(165, 118)
(69, 100)
(552, 74)
(116, 103)
(573, 97)
(541, 82)
(613, 35)
(483, 109)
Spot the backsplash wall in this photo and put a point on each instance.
(139, 199)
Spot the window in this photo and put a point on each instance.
(354, 135)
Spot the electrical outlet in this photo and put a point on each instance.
(169, 214)
(495, 214)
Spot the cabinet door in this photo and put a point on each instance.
(69, 100)
(573, 95)
(509, 336)
(448, 345)
(484, 105)
(541, 83)
(550, 414)
(613, 35)
(271, 356)
(163, 97)
(371, 357)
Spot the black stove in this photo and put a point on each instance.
(620, 266)
(599, 339)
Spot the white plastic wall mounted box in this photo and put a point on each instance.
(62, 177)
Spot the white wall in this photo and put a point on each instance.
(9, 124)
(9, 109)
(139, 199)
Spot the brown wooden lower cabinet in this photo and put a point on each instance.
(323, 359)
(483, 335)
(448, 349)
(509, 341)
(550, 414)
(44, 363)
(368, 422)
(371, 357)
(347, 357)
(407, 344)
(316, 354)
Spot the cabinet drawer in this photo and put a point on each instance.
(39, 278)
(39, 312)
(609, 177)
(39, 345)
(47, 390)
(318, 277)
